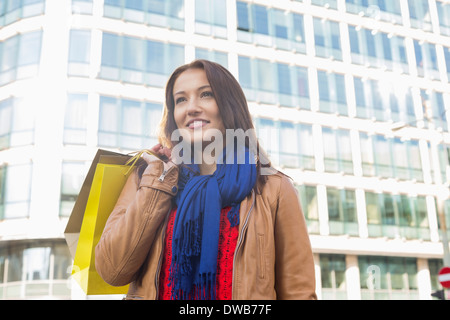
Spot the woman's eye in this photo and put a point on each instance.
(177, 101)
(207, 94)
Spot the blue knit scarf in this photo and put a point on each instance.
(200, 200)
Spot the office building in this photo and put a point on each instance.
(349, 97)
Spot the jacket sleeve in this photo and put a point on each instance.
(130, 230)
(295, 275)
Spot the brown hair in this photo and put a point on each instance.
(230, 99)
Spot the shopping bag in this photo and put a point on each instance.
(73, 227)
(105, 181)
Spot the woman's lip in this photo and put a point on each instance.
(197, 124)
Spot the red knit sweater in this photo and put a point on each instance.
(227, 245)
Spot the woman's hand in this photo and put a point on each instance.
(161, 153)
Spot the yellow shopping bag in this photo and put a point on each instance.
(107, 184)
(101, 189)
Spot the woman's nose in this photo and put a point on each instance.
(193, 106)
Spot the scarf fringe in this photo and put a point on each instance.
(204, 290)
(233, 215)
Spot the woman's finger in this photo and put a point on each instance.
(149, 158)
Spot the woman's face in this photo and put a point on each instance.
(196, 109)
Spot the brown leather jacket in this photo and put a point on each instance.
(273, 258)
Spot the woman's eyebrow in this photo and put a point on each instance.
(199, 89)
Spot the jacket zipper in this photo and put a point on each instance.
(161, 178)
(240, 240)
(158, 269)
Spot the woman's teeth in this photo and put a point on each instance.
(197, 124)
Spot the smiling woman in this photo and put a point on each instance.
(220, 230)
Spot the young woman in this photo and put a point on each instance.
(224, 228)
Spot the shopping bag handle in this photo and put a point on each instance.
(137, 155)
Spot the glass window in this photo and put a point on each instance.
(211, 18)
(293, 86)
(82, 6)
(386, 158)
(79, 52)
(265, 83)
(337, 150)
(243, 22)
(397, 216)
(37, 263)
(327, 39)
(269, 82)
(426, 60)
(260, 19)
(383, 101)
(35, 270)
(108, 127)
(332, 271)
(8, 56)
(284, 81)
(268, 135)
(408, 165)
(443, 9)
(383, 156)
(20, 118)
(301, 87)
(367, 154)
(133, 53)
(415, 163)
(128, 124)
(299, 32)
(289, 145)
(110, 50)
(328, 3)
(296, 145)
(308, 201)
(72, 178)
(280, 24)
(413, 218)
(447, 59)
(354, 41)
(15, 266)
(75, 119)
(216, 56)
(419, 13)
(378, 49)
(332, 93)
(139, 61)
(342, 211)
(270, 27)
(2, 190)
(373, 210)
(435, 265)
(245, 75)
(13, 10)
(444, 161)
(79, 48)
(377, 9)
(384, 278)
(165, 14)
(434, 109)
(6, 116)
(2, 262)
(16, 189)
(29, 48)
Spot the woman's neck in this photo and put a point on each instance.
(206, 163)
(207, 169)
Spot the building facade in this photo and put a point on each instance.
(349, 98)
